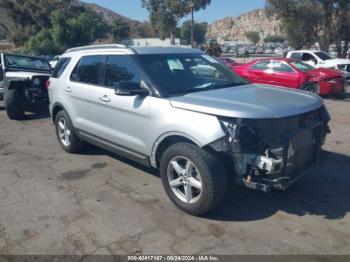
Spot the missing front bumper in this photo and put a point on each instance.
(266, 172)
(279, 184)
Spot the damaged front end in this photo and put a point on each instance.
(273, 153)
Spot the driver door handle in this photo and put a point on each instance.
(105, 98)
(68, 89)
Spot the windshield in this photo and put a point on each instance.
(26, 63)
(323, 56)
(174, 74)
(302, 66)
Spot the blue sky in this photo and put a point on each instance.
(217, 10)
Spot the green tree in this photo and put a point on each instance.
(341, 27)
(165, 14)
(199, 32)
(31, 16)
(312, 21)
(120, 30)
(67, 32)
(253, 37)
(42, 43)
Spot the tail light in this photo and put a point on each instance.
(47, 84)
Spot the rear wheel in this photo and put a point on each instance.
(65, 132)
(14, 103)
(194, 179)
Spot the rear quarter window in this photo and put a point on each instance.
(297, 56)
(60, 67)
(89, 70)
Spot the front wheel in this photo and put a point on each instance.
(194, 179)
(311, 87)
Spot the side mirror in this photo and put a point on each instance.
(130, 89)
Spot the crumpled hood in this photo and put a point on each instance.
(325, 73)
(25, 75)
(249, 101)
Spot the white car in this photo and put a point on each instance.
(320, 59)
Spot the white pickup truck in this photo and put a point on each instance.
(320, 59)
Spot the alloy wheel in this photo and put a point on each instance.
(64, 132)
(184, 179)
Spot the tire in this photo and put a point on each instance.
(205, 169)
(14, 103)
(311, 87)
(73, 144)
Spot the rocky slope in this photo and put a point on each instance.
(235, 28)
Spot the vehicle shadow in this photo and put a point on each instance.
(323, 192)
(37, 112)
(90, 150)
(342, 97)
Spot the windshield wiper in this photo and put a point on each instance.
(194, 90)
(229, 85)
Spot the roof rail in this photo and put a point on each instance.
(93, 47)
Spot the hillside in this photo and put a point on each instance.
(107, 14)
(235, 28)
(4, 21)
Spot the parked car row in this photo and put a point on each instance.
(278, 49)
(182, 112)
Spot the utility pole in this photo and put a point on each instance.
(192, 24)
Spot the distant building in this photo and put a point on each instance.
(150, 42)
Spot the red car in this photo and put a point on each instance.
(293, 73)
(229, 62)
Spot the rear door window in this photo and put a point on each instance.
(282, 67)
(89, 70)
(60, 67)
(297, 56)
(121, 68)
(309, 57)
(262, 65)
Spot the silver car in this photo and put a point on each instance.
(149, 105)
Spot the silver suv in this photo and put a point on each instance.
(185, 113)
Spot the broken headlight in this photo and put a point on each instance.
(241, 137)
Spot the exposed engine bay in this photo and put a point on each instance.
(273, 153)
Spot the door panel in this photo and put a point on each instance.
(284, 75)
(260, 72)
(85, 76)
(122, 120)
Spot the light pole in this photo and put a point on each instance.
(192, 24)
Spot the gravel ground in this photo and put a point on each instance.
(52, 202)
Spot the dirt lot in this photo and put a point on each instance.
(52, 202)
